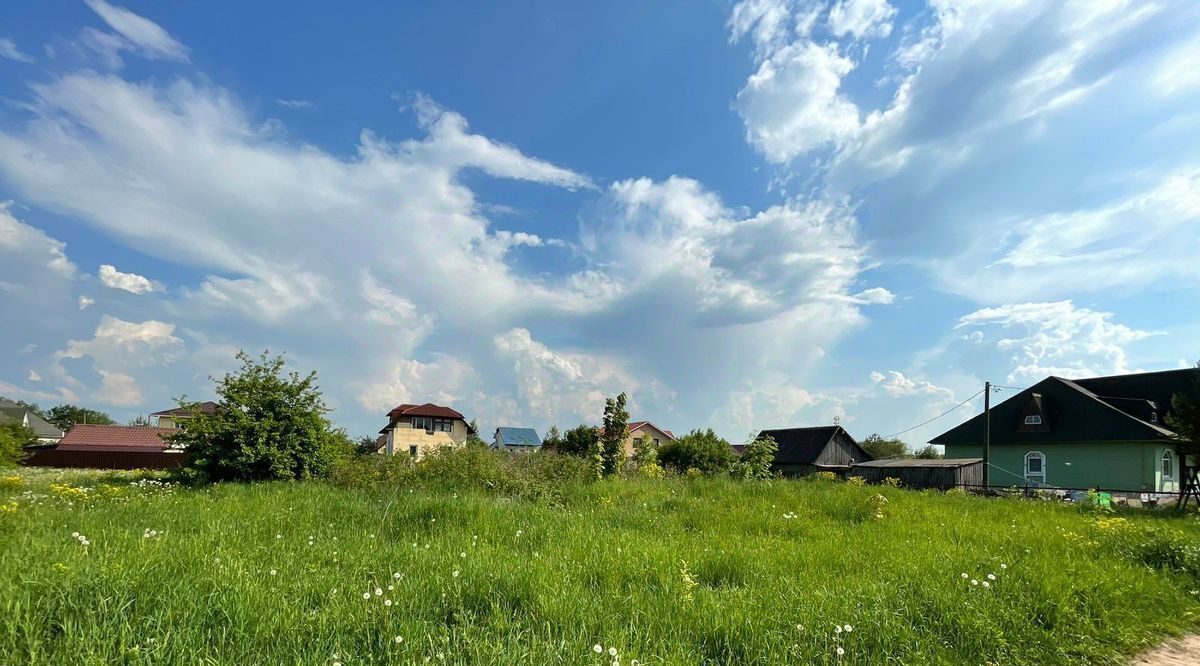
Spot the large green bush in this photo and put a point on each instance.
(702, 450)
(267, 426)
(14, 437)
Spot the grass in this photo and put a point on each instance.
(668, 572)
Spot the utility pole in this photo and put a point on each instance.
(987, 433)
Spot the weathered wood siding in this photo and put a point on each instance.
(970, 474)
(840, 451)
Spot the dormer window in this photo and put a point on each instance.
(1033, 420)
(1154, 417)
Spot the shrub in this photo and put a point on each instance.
(700, 450)
(579, 441)
(823, 476)
(694, 473)
(266, 426)
(892, 482)
(856, 481)
(651, 471)
(14, 437)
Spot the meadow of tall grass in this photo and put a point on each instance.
(447, 567)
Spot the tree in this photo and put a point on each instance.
(701, 450)
(14, 437)
(139, 421)
(553, 439)
(612, 439)
(1184, 420)
(879, 447)
(65, 416)
(365, 446)
(645, 451)
(928, 452)
(267, 425)
(756, 459)
(579, 441)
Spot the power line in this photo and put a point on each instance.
(936, 417)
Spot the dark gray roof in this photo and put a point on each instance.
(804, 445)
(11, 411)
(506, 436)
(920, 462)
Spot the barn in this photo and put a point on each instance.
(806, 450)
(943, 473)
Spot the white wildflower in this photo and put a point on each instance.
(991, 576)
(387, 602)
(841, 651)
(366, 595)
(848, 628)
(378, 592)
(399, 639)
(455, 574)
(597, 649)
(612, 651)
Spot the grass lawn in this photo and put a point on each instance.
(667, 572)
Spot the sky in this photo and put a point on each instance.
(762, 214)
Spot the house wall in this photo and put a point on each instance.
(645, 430)
(1134, 466)
(168, 422)
(404, 436)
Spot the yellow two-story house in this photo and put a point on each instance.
(415, 430)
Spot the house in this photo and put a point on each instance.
(516, 439)
(943, 473)
(1106, 432)
(47, 433)
(415, 430)
(110, 447)
(175, 418)
(806, 450)
(643, 430)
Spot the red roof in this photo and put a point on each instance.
(207, 407)
(427, 409)
(634, 425)
(86, 437)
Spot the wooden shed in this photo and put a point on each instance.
(941, 473)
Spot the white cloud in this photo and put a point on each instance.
(861, 18)
(86, 302)
(295, 103)
(27, 244)
(131, 282)
(119, 389)
(34, 376)
(118, 343)
(794, 104)
(9, 50)
(134, 33)
(1057, 338)
(895, 384)
(1179, 70)
(876, 296)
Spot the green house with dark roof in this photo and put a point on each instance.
(1106, 432)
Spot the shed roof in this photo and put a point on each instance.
(507, 436)
(206, 407)
(920, 462)
(89, 437)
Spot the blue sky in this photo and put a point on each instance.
(746, 215)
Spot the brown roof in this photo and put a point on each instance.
(86, 437)
(427, 409)
(634, 425)
(207, 407)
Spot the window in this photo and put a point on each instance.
(1168, 464)
(432, 425)
(1033, 420)
(443, 425)
(1035, 466)
(412, 450)
(1154, 417)
(656, 441)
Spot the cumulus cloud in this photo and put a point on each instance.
(1057, 338)
(119, 389)
(9, 50)
(131, 282)
(876, 296)
(861, 18)
(86, 302)
(895, 384)
(132, 33)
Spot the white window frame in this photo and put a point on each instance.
(1033, 419)
(1167, 456)
(1039, 476)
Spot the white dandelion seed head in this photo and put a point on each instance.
(841, 651)
(399, 639)
(597, 649)
(612, 651)
(75, 535)
(391, 588)
(272, 572)
(462, 554)
(974, 582)
(965, 575)
(278, 536)
(848, 628)
(837, 630)
(366, 595)
(455, 574)
(991, 576)
(986, 584)
(396, 575)
(378, 592)
(387, 602)
(1003, 566)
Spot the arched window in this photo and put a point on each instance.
(1168, 464)
(1035, 466)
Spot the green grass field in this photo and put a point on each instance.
(666, 572)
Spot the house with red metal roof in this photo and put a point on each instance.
(175, 418)
(643, 430)
(415, 430)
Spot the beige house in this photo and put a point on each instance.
(645, 430)
(176, 418)
(414, 430)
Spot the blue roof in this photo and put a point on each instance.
(517, 437)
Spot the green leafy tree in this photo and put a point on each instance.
(612, 439)
(928, 452)
(756, 459)
(14, 437)
(645, 451)
(879, 447)
(1184, 420)
(580, 441)
(702, 450)
(65, 416)
(365, 446)
(139, 421)
(267, 425)
(552, 440)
